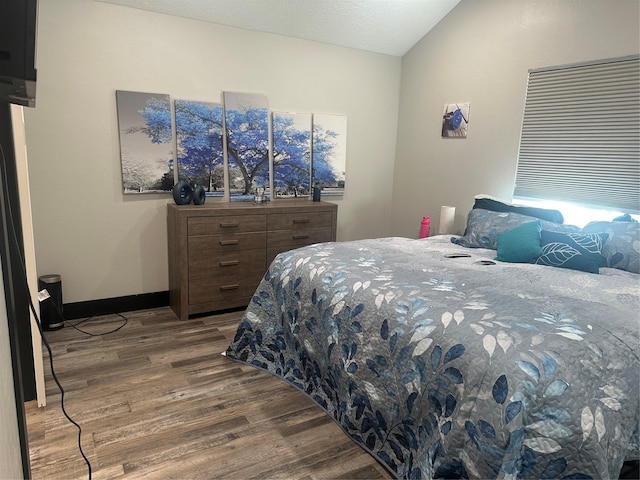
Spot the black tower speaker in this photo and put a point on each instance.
(51, 308)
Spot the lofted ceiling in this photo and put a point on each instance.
(390, 27)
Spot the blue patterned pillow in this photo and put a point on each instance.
(622, 250)
(521, 244)
(577, 251)
(484, 227)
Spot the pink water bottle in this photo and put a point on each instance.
(424, 227)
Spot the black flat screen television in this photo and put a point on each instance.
(18, 34)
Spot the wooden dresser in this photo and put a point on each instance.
(219, 252)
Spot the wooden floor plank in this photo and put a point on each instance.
(157, 399)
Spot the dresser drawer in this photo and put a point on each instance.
(220, 264)
(296, 221)
(226, 224)
(298, 238)
(226, 243)
(216, 289)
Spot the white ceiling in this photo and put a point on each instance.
(391, 27)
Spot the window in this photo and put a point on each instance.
(580, 139)
(573, 214)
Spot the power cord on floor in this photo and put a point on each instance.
(64, 321)
(86, 320)
(55, 378)
(33, 309)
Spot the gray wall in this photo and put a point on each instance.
(481, 53)
(106, 244)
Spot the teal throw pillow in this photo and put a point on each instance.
(577, 251)
(520, 244)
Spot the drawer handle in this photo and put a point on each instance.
(300, 237)
(229, 242)
(300, 220)
(229, 225)
(229, 287)
(229, 263)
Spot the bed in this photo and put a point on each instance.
(448, 366)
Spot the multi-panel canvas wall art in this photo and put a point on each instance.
(329, 155)
(146, 141)
(199, 138)
(291, 134)
(246, 119)
(234, 149)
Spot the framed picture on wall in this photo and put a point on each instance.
(329, 154)
(291, 133)
(455, 120)
(199, 145)
(146, 142)
(246, 118)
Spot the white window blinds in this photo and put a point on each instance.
(580, 139)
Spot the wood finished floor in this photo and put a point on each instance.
(157, 400)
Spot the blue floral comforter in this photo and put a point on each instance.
(447, 368)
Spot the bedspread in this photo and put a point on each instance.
(448, 368)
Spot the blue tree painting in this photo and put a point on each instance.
(291, 154)
(329, 153)
(199, 136)
(247, 143)
(146, 141)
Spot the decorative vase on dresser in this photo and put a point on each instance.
(219, 252)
